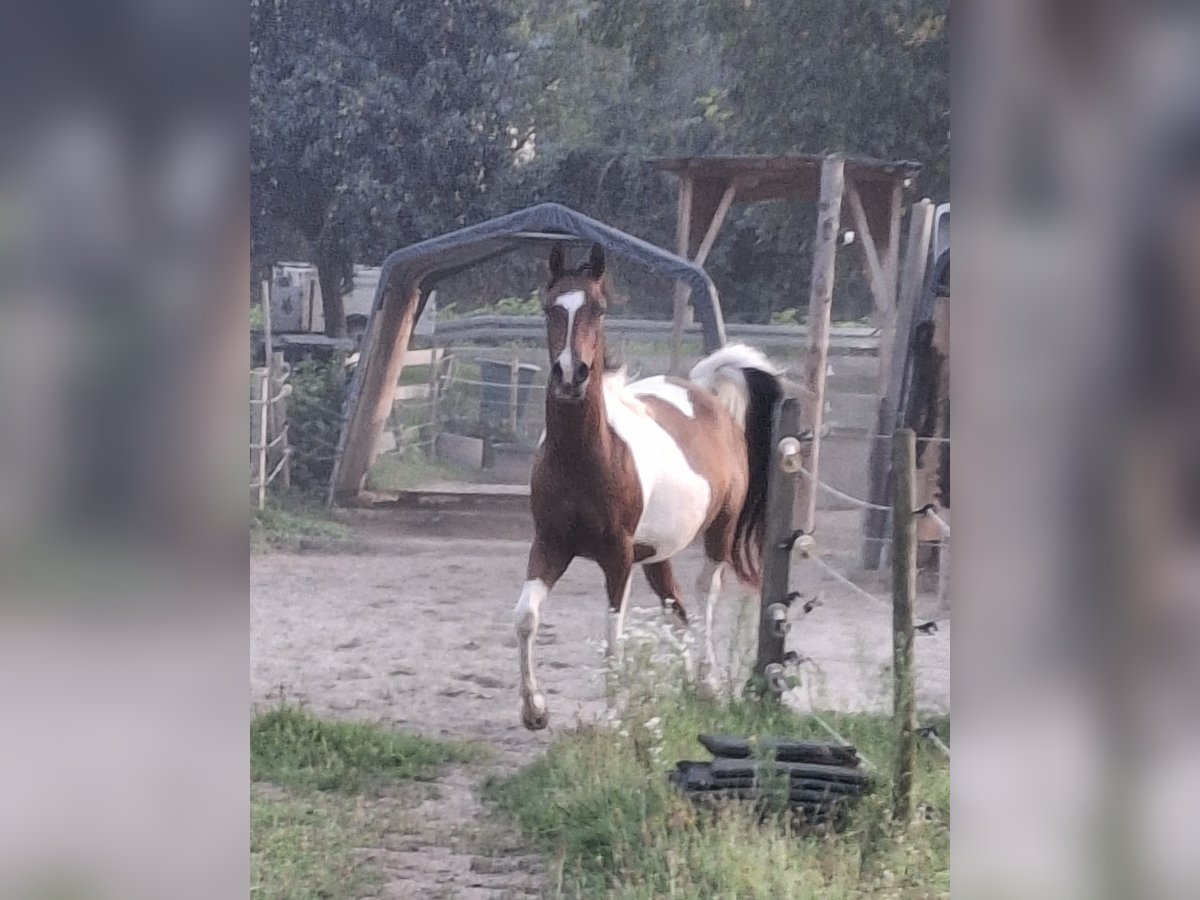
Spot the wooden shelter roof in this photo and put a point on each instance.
(792, 176)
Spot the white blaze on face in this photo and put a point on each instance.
(571, 301)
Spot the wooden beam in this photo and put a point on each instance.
(891, 274)
(891, 257)
(683, 229)
(884, 303)
(920, 226)
(714, 227)
(820, 301)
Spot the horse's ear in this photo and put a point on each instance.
(596, 261)
(557, 263)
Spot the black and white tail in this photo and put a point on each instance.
(748, 384)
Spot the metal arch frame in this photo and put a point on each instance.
(409, 273)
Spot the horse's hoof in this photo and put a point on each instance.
(535, 721)
(534, 714)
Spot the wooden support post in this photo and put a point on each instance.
(382, 362)
(885, 300)
(904, 592)
(264, 397)
(714, 227)
(268, 345)
(820, 301)
(781, 492)
(683, 228)
(920, 227)
(891, 256)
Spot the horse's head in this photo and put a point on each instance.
(575, 303)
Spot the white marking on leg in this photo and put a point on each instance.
(709, 585)
(533, 594)
(572, 302)
(616, 621)
(612, 649)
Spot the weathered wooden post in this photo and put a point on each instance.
(681, 315)
(268, 338)
(904, 592)
(912, 279)
(781, 494)
(820, 301)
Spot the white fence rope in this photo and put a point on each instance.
(841, 495)
(830, 570)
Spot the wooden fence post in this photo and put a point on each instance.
(781, 494)
(268, 338)
(904, 591)
(820, 301)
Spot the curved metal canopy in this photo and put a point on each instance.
(409, 273)
(423, 264)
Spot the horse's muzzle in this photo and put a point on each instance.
(571, 389)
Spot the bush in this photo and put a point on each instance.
(314, 416)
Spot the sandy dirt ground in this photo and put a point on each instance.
(416, 631)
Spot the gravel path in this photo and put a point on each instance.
(416, 632)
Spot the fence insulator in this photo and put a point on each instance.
(776, 678)
(804, 545)
(778, 613)
(789, 455)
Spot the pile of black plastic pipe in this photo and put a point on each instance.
(821, 779)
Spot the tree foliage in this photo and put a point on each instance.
(374, 124)
(377, 123)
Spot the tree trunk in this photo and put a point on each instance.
(329, 274)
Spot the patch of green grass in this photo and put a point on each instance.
(278, 525)
(305, 848)
(294, 749)
(412, 469)
(602, 811)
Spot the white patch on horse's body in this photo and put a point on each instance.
(675, 498)
(658, 386)
(571, 301)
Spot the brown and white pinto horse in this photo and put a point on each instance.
(633, 473)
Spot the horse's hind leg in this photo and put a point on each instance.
(662, 581)
(718, 547)
(708, 585)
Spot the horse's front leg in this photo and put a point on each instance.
(541, 573)
(618, 571)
